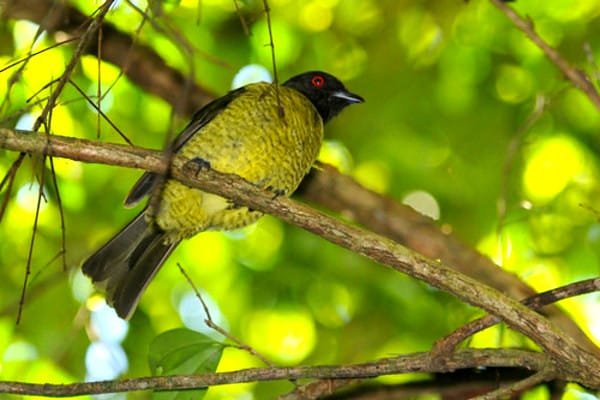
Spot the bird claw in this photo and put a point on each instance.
(276, 192)
(198, 164)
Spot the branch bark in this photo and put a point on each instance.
(468, 358)
(567, 359)
(143, 66)
(140, 63)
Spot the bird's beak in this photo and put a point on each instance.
(349, 97)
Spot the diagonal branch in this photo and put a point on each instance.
(579, 78)
(574, 363)
(328, 188)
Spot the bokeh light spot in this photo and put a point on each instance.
(105, 361)
(513, 84)
(550, 166)
(81, 286)
(288, 47)
(424, 203)
(208, 252)
(568, 10)
(106, 101)
(24, 33)
(259, 248)
(580, 111)
(332, 304)
(73, 195)
(27, 197)
(420, 35)
(107, 326)
(316, 16)
(284, 335)
(374, 175)
(251, 73)
(193, 315)
(20, 351)
(234, 359)
(337, 154)
(108, 72)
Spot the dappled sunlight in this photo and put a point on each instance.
(465, 121)
(193, 315)
(335, 153)
(373, 175)
(513, 84)
(420, 35)
(287, 42)
(259, 249)
(284, 335)
(234, 359)
(105, 358)
(29, 196)
(317, 16)
(108, 72)
(332, 304)
(551, 164)
(207, 255)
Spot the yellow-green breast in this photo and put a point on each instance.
(251, 139)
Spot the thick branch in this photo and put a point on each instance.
(418, 362)
(328, 188)
(574, 363)
(147, 69)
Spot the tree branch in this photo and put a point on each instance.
(572, 362)
(448, 343)
(579, 78)
(417, 362)
(327, 188)
(140, 63)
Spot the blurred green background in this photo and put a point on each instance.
(463, 114)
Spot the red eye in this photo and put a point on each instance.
(317, 81)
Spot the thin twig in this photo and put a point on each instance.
(79, 50)
(9, 177)
(449, 343)
(514, 147)
(100, 112)
(216, 327)
(509, 391)
(242, 19)
(579, 79)
(271, 44)
(32, 241)
(98, 83)
(61, 212)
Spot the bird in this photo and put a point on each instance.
(268, 134)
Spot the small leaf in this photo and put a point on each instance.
(183, 352)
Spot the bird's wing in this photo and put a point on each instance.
(148, 180)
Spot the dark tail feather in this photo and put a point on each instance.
(126, 264)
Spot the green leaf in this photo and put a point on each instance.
(183, 352)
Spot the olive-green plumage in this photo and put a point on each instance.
(261, 147)
(270, 139)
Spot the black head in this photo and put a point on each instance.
(325, 91)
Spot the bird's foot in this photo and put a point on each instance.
(276, 192)
(197, 165)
